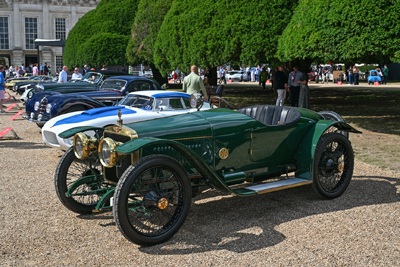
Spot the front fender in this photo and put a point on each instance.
(203, 168)
(37, 97)
(304, 155)
(71, 132)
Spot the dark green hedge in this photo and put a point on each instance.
(214, 32)
(342, 31)
(110, 19)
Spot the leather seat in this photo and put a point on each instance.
(272, 115)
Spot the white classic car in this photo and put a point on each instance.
(138, 106)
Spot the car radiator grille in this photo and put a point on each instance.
(42, 106)
(113, 174)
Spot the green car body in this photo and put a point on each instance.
(221, 149)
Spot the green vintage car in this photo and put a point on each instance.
(147, 172)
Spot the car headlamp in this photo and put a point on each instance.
(32, 115)
(36, 106)
(196, 101)
(83, 145)
(108, 156)
(48, 108)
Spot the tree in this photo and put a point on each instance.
(101, 35)
(342, 31)
(148, 20)
(210, 33)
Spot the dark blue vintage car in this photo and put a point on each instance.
(46, 105)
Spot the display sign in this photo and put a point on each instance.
(6, 130)
(10, 107)
(16, 115)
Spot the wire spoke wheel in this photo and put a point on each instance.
(333, 165)
(69, 170)
(152, 200)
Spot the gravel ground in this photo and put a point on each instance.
(283, 228)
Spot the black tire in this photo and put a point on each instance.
(69, 170)
(333, 116)
(333, 166)
(145, 222)
(40, 125)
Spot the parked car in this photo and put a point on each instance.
(236, 75)
(147, 172)
(139, 106)
(91, 81)
(46, 105)
(374, 77)
(21, 86)
(11, 81)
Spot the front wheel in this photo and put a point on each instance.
(333, 166)
(69, 170)
(152, 200)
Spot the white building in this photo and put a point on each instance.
(23, 21)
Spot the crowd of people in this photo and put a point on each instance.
(20, 71)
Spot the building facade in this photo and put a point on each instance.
(23, 21)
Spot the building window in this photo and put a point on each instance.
(4, 42)
(59, 63)
(60, 28)
(31, 32)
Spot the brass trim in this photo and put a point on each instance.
(114, 155)
(283, 187)
(162, 203)
(223, 153)
(126, 131)
(341, 167)
(89, 145)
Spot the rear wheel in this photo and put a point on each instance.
(333, 166)
(333, 116)
(152, 200)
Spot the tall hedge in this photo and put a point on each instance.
(342, 31)
(101, 34)
(214, 32)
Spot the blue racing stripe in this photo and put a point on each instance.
(95, 113)
(171, 94)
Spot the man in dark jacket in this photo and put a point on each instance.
(46, 69)
(281, 86)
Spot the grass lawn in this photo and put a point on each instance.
(373, 110)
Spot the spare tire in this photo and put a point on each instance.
(333, 116)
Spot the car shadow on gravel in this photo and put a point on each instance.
(243, 224)
(21, 145)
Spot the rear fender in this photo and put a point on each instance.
(202, 167)
(63, 103)
(304, 155)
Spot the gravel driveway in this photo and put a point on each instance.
(284, 228)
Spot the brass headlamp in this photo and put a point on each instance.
(84, 145)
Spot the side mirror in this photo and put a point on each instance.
(196, 101)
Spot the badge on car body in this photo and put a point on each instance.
(224, 153)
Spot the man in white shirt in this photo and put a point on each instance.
(62, 78)
(76, 74)
(35, 70)
(294, 86)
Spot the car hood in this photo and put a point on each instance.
(194, 125)
(55, 86)
(93, 94)
(96, 113)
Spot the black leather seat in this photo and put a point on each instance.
(272, 115)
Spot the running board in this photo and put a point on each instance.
(278, 185)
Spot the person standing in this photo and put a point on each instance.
(76, 74)
(2, 89)
(253, 74)
(248, 71)
(294, 87)
(281, 86)
(46, 69)
(263, 77)
(356, 74)
(21, 72)
(223, 73)
(63, 77)
(351, 75)
(85, 69)
(192, 84)
(35, 70)
(41, 69)
(304, 97)
(385, 74)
